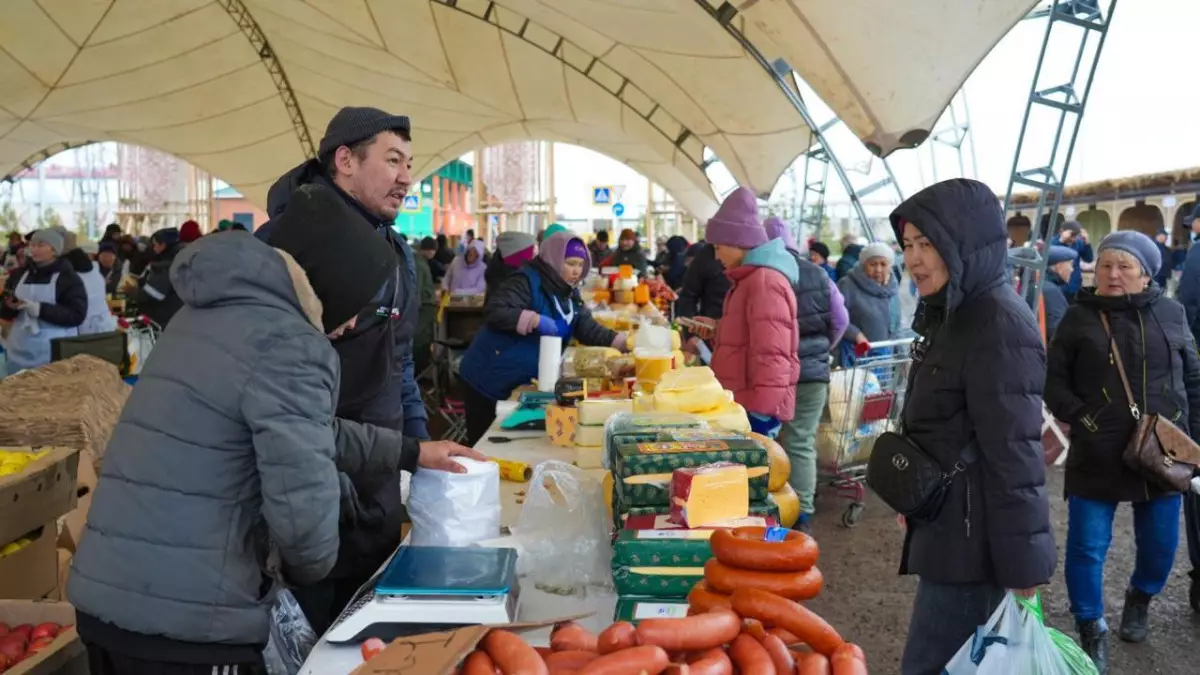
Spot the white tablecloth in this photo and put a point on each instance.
(530, 447)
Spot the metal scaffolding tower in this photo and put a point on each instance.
(953, 132)
(1077, 20)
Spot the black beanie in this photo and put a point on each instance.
(351, 125)
(346, 260)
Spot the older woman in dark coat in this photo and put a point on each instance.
(1084, 388)
(975, 399)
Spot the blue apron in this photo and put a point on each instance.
(29, 340)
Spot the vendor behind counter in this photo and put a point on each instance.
(543, 299)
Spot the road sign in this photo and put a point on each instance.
(412, 202)
(601, 195)
(618, 209)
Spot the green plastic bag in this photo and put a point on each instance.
(1077, 660)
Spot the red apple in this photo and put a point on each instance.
(12, 650)
(3, 628)
(25, 630)
(47, 629)
(15, 638)
(39, 643)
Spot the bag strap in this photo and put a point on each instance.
(1116, 356)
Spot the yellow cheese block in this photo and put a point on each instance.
(728, 418)
(588, 458)
(710, 495)
(789, 505)
(596, 411)
(589, 436)
(781, 466)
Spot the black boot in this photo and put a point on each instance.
(1135, 616)
(1093, 637)
(1194, 590)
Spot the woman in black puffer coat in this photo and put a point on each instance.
(1084, 389)
(975, 399)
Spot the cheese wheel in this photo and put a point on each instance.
(789, 505)
(781, 465)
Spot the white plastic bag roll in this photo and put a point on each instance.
(455, 509)
(549, 360)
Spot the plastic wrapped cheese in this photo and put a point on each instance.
(593, 361)
(691, 390)
(596, 411)
(709, 495)
(589, 437)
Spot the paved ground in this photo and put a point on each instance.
(869, 603)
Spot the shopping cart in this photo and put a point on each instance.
(865, 401)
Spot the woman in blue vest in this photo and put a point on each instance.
(45, 301)
(539, 300)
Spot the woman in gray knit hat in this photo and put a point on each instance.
(45, 301)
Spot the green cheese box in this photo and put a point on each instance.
(656, 457)
(655, 489)
(656, 581)
(635, 608)
(677, 548)
(640, 427)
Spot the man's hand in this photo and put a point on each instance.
(1083, 235)
(1024, 592)
(437, 455)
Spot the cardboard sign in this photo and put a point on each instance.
(440, 653)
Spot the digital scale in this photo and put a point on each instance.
(426, 589)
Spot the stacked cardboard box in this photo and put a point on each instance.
(31, 501)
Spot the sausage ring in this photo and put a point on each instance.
(804, 585)
(745, 548)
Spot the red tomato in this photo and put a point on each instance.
(372, 647)
(44, 630)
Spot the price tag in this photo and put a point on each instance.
(775, 534)
(662, 534)
(659, 610)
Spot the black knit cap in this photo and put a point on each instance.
(351, 125)
(429, 244)
(346, 260)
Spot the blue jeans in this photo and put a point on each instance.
(944, 617)
(1089, 532)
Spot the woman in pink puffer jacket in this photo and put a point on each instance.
(757, 338)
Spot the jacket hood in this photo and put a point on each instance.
(281, 190)
(238, 269)
(476, 244)
(858, 277)
(774, 254)
(963, 220)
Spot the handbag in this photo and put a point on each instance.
(1160, 451)
(906, 478)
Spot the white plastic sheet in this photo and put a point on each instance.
(455, 509)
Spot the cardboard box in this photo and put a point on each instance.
(656, 581)
(32, 572)
(438, 653)
(65, 656)
(64, 570)
(44, 491)
(71, 525)
(678, 547)
(560, 425)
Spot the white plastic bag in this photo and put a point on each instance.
(1014, 640)
(455, 509)
(563, 534)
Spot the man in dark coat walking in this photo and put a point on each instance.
(975, 399)
(704, 286)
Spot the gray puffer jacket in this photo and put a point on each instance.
(226, 454)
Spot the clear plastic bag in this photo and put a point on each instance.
(455, 509)
(291, 638)
(563, 533)
(1015, 640)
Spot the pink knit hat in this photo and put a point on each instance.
(736, 222)
(777, 229)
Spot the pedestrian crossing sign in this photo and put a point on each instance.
(602, 195)
(412, 202)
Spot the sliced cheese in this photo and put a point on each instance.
(589, 436)
(709, 495)
(596, 411)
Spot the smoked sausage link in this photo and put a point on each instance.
(572, 636)
(813, 664)
(745, 548)
(846, 662)
(478, 663)
(710, 662)
(620, 635)
(512, 655)
(644, 660)
(750, 657)
(793, 617)
(780, 656)
(693, 633)
(804, 585)
(569, 661)
(703, 598)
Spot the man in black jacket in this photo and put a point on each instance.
(704, 286)
(156, 297)
(366, 158)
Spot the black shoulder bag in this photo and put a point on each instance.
(905, 477)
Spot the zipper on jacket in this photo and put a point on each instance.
(967, 520)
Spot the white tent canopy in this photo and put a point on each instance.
(244, 89)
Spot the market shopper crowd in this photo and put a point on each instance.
(264, 443)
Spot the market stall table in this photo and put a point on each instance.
(530, 447)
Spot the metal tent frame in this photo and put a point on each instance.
(1049, 177)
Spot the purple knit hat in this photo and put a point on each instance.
(777, 229)
(736, 222)
(562, 245)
